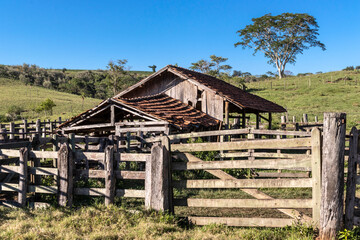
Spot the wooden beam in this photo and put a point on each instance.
(305, 163)
(245, 203)
(243, 222)
(112, 115)
(244, 145)
(245, 183)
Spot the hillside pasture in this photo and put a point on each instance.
(29, 97)
(314, 94)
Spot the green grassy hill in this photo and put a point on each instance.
(28, 97)
(314, 94)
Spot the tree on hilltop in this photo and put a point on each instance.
(281, 37)
(213, 67)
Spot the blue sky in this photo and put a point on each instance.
(87, 34)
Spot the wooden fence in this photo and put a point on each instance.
(263, 152)
(68, 166)
(26, 129)
(352, 202)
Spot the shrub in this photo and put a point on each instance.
(357, 68)
(14, 112)
(45, 106)
(349, 68)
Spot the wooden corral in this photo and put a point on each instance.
(276, 159)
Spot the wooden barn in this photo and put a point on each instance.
(173, 100)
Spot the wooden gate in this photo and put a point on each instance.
(293, 155)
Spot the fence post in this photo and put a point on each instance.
(332, 182)
(158, 194)
(65, 166)
(316, 174)
(25, 128)
(109, 175)
(351, 179)
(38, 127)
(12, 130)
(305, 118)
(24, 156)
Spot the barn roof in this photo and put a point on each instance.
(157, 107)
(171, 110)
(231, 93)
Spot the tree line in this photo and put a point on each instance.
(87, 83)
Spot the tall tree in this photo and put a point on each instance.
(281, 37)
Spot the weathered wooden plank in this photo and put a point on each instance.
(9, 169)
(120, 130)
(43, 154)
(245, 183)
(23, 180)
(110, 179)
(157, 174)
(132, 157)
(65, 175)
(245, 203)
(237, 164)
(120, 174)
(101, 192)
(351, 179)
(11, 145)
(43, 189)
(316, 174)
(252, 144)
(332, 189)
(243, 222)
(277, 132)
(130, 193)
(43, 171)
(282, 174)
(144, 123)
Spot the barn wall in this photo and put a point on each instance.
(185, 92)
(154, 86)
(213, 105)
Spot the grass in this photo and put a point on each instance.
(314, 94)
(115, 222)
(28, 97)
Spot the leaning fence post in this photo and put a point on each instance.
(24, 156)
(158, 178)
(109, 175)
(351, 179)
(332, 192)
(65, 166)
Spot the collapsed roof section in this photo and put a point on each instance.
(150, 108)
(171, 110)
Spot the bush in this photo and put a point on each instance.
(14, 112)
(349, 68)
(357, 68)
(45, 106)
